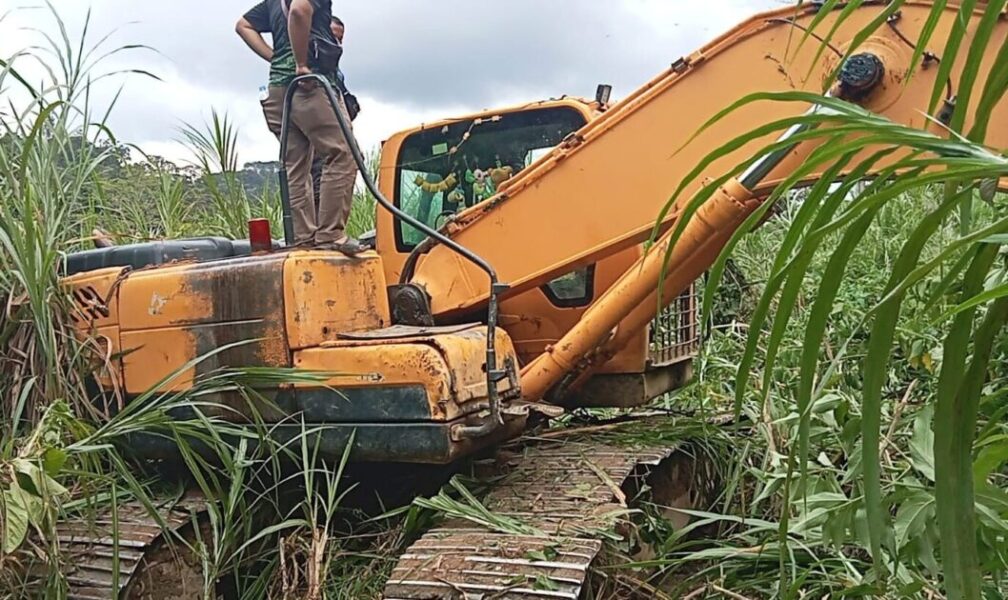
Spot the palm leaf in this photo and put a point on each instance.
(951, 489)
(951, 52)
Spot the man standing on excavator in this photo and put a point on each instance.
(303, 43)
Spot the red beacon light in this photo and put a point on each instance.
(260, 237)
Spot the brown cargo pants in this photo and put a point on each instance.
(314, 129)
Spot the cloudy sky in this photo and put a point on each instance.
(407, 60)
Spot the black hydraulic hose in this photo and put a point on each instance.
(288, 218)
(493, 374)
(409, 267)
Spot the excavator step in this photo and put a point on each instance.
(570, 494)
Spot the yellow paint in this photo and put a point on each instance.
(448, 366)
(532, 321)
(162, 297)
(327, 294)
(154, 356)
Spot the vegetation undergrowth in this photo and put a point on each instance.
(826, 547)
(866, 358)
(65, 183)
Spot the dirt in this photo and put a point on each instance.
(170, 571)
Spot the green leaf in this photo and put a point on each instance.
(272, 529)
(937, 11)
(951, 52)
(794, 275)
(822, 12)
(912, 517)
(41, 484)
(819, 316)
(922, 443)
(53, 461)
(544, 583)
(9, 68)
(17, 513)
(979, 49)
(547, 554)
(990, 459)
(953, 454)
(876, 372)
(987, 296)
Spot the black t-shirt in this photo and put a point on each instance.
(268, 17)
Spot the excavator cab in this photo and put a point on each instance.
(438, 171)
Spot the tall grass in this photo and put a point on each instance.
(947, 504)
(63, 455)
(826, 551)
(363, 214)
(215, 150)
(49, 159)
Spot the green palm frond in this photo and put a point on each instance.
(833, 218)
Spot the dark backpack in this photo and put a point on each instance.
(323, 54)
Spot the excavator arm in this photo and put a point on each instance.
(599, 192)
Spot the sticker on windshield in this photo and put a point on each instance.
(440, 149)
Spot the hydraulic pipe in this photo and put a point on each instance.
(626, 304)
(704, 237)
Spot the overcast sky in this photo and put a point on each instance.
(407, 60)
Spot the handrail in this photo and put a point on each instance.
(493, 374)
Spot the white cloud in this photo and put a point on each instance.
(407, 61)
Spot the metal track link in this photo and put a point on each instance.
(104, 553)
(569, 491)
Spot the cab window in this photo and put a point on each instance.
(445, 170)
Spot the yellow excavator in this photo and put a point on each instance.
(509, 279)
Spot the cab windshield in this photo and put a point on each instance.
(445, 170)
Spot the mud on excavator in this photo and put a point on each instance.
(508, 277)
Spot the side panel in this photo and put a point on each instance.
(327, 295)
(94, 295)
(226, 313)
(448, 367)
(96, 315)
(227, 291)
(370, 367)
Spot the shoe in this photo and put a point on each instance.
(348, 246)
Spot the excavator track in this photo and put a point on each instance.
(106, 556)
(571, 492)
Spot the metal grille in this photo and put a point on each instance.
(675, 334)
(90, 305)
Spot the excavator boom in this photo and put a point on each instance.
(600, 191)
